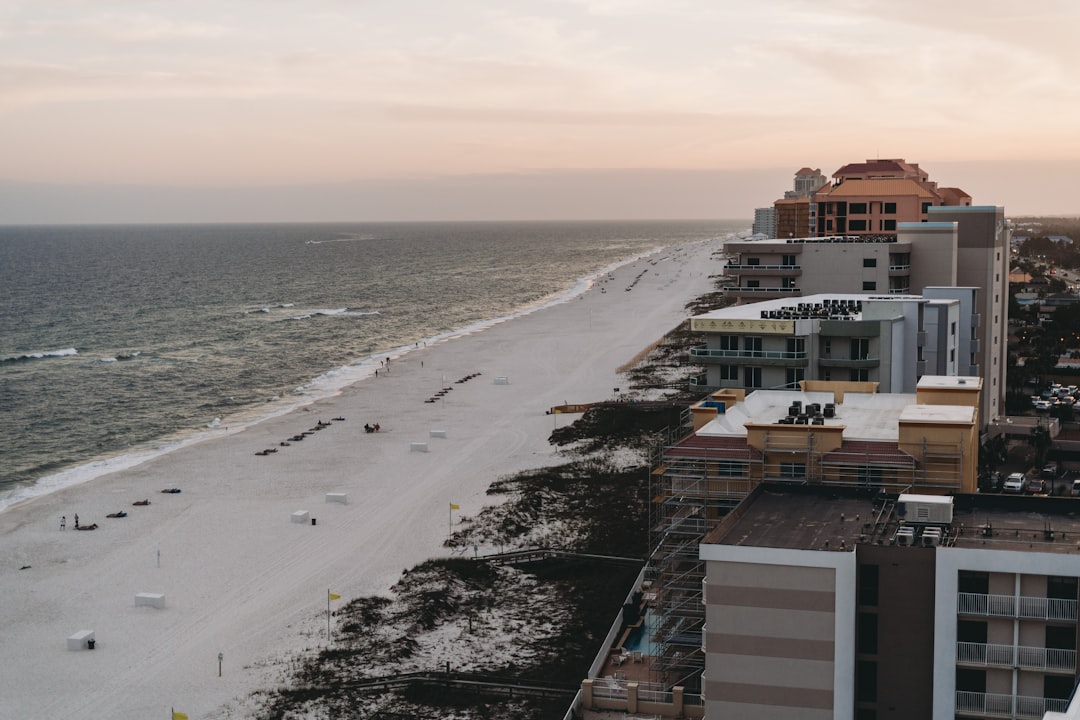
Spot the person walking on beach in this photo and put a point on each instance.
(76, 521)
(63, 522)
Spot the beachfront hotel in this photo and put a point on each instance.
(827, 434)
(958, 246)
(869, 198)
(825, 602)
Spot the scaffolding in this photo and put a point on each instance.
(697, 480)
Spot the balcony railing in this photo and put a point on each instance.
(762, 290)
(753, 354)
(741, 266)
(1012, 656)
(899, 291)
(1006, 706)
(1026, 608)
(899, 267)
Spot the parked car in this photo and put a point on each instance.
(1014, 483)
(1076, 487)
(1042, 405)
(1035, 486)
(1049, 471)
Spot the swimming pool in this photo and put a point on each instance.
(640, 638)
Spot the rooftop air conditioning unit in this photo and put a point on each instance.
(929, 509)
(905, 536)
(931, 537)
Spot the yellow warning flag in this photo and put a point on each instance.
(179, 716)
(454, 507)
(335, 596)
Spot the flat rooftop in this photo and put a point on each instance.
(865, 416)
(799, 517)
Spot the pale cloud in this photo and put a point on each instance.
(254, 93)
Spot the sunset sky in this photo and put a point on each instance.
(192, 110)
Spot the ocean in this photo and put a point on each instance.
(122, 342)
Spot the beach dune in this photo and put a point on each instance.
(239, 576)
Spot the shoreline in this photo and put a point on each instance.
(326, 384)
(238, 576)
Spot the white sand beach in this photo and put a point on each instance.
(241, 578)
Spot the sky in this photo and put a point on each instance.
(332, 110)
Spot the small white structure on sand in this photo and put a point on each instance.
(156, 600)
(437, 433)
(80, 640)
(502, 380)
(300, 516)
(342, 498)
(418, 447)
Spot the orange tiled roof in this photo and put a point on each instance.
(877, 188)
(899, 166)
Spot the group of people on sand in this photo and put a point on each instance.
(371, 428)
(118, 514)
(63, 523)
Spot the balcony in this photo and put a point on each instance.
(1006, 706)
(1011, 656)
(900, 291)
(1009, 606)
(783, 270)
(848, 362)
(750, 357)
(760, 293)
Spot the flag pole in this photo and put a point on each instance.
(328, 617)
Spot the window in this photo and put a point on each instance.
(788, 261)
(826, 347)
(869, 285)
(753, 283)
(888, 224)
(1057, 687)
(828, 226)
(729, 342)
(796, 345)
(752, 377)
(860, 375)
(753, 261)
(857, 209)
(1060, 638)
(868, 475)
(867, 633)
(1061, 588)
(890, 208)
(860, 348)
(970, 581)
(952, 328)
(793, 376)
(729, 372)
(869, 262)
(970, 680)
(952, 355)
(753, 344)
(971, 631)
(730, 468)
(866, 681)
(857, 225)
(793, 471)
(787, 283)
(925, 208)
(868, 585)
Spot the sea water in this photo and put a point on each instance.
(120, 342)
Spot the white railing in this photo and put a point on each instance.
(1006, 706)
(1027, 608)
(1009, 656)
